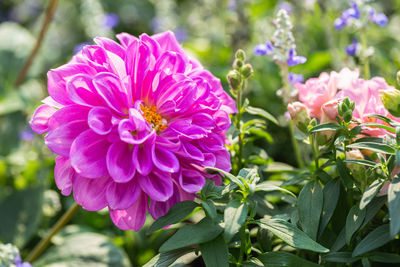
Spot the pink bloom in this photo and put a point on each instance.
(317, 91)
(134, 125)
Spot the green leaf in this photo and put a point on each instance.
(376, 147)
(248, 173)
(262, 113)
(309, 205)
(267, 187)
(353, 221)
(291, 235)
(201, 232)
(377, 125)
(325, 127)
(281, 258)
(370, 193)
(365, 262)
(331, 194)
(210, 190)
(340, 241)
(375, 239)
(215, 252)
(228, 175)
(176, 213)
(20, 214)
(77, 247)
(168, 258)
(344, 174)
(210, 208)
(394, 205)
(372, 209)
(235, 215)
(342, 257)
(279, 167)
(378, 256)
(364, 162)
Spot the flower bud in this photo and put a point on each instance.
(330, 110)
(247, 70)
(237, 64)
(299, 114)
(234, 79)
(240, 55)
(345, 109)
(391, 100)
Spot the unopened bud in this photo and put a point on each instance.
(330, 110)
(391, 100)
(345, 109)
(247, 70)
(299, 114)
(240, 54)
(234, 79)
(237, 64)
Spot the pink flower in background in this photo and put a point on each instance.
(134, 125)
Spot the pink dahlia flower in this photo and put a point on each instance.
(134, 124)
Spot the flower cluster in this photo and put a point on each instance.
(134, 125)
(321, 96)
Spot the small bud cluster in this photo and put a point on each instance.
(391, 100)
(345, 109)
(240, 72)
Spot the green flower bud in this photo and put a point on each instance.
(247, 70)
(237, 64)
(391, 100)
(240, 54)
(234, 79)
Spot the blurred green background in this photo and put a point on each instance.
(210, 30)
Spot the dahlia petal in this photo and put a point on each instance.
(96, 57)
(52, 103)
(132, 131)
(110, 45)
(191, 152)
(204, 120)
(164, 160)
(209, 160)
(150, 42)
(110, 89)
(125, 39)
(40, 119)
(88, 154)
(119, 162)
(64, 174)
(133, 217)
(157, 186)
(122, 195)
(80, 90)
(160, 208)
(142, 159)
(68, 114)
(171, 62)
(212, 143)
(191, 181)
(91, 193)
(223, 160)
(100, 120)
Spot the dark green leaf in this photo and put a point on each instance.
(248, 173)
(228, 175)
(176, 213)
(325, 127)
(331, 193)
(364, 162)
(378, 256)
(377, 125)
(376, 147)
(353, 221)
(344, 174)
(340, 241)
(291, 235)
(167, 258)
(210, 190)
(210, 208)
(342, 257)
(385, 119)
(394, 205)
(262, 113)
(215, 252)
(201, 232)
(372, 209)
(375, 239)
(281, 258)
(20, 215)
(267, 187)
(235, 215)
(365, 262)
(309, 205)
(370, 193)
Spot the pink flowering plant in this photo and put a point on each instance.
(168, 152)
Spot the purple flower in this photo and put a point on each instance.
(134, 125)
(294, 60)
(263, 49)
(295, 78)
(351, 49)
(340, 23)
(285, 6)
(18, 262)
(27, 135)
(352, 12)
(110, 20)
(378, 18)
(180, 34)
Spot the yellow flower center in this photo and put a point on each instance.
(153, 118)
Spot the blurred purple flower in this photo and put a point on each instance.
(155, 24)
(27, 135)
(232, 4)
(263, 49)
(285, 6)
(18, 262)
(181, 34)
(294, 60)
(80, 46)
(352, 12)
(339, 23)
(110, 20)
(295, 78)
(351, 49)
(378, 18)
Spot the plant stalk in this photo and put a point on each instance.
(239, 103)
(42, 245)
(364, 58)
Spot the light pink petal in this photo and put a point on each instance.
(119, 162)
(157, 185)
(91, 193)
(122, 195)
(100, 120)
(133, 217)
(88, 154)
(64, 175)
(40, 119)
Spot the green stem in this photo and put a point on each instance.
(239, 103)
(286, 97)
(39, 248)
(364, 58)
(242, 244)
(314, 150)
